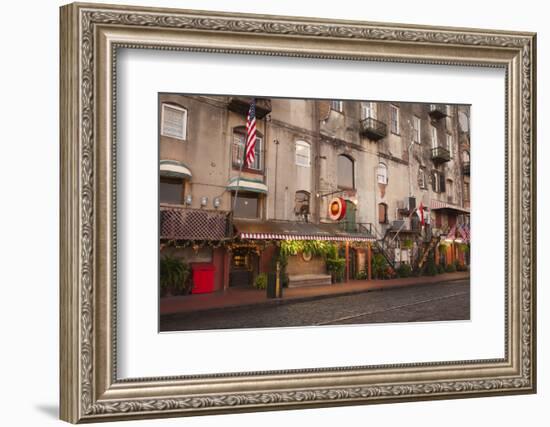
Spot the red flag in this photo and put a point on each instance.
(250, 134)
(420, 213)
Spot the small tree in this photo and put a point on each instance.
(430, 269)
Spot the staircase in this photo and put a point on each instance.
(430, 247)
(382, 246)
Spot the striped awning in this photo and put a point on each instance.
(289, 230)
(270, 236)
(174, 169)
(438, 204)
(247, 184)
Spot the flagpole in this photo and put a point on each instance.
(239, 178)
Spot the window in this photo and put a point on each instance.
(422, 178)
(237, 150)
(301, 203)
(368, 110)
(438, 182)
(303, 154)
(247, 206)
(449, 189)
(450, 145)
(394, 111)
(171, 191)
(173, 121)
(434, 136)
(382, 174)
(382, 213)
(416, 129)
(336, 105)
(346, 172)
(466, 191)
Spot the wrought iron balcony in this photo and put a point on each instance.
(466, 168)
(373, 129)
(356, 227)
(437, 111)
(241, 105)
(440, 155)
(181, 223)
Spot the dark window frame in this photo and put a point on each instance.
(241, 132)
(247, 195)
(353, 183)
(172, 181)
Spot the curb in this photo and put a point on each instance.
(276, 301)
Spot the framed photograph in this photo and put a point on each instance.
(267, 212)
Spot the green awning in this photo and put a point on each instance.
(247, 184)
(174, 169)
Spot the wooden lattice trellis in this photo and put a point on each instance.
(178, 223)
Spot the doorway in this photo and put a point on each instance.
(244, 267)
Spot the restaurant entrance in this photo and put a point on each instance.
(244, 266)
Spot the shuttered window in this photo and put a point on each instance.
(382, 174)
(416, 129)
(303, 154)
(382, 213)
(394, 111)
(438, 182)
(368, 110)
(336, 105)
(174, 121)
(237, 151)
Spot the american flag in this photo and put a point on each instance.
(250, 134)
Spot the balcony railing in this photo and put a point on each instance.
(373, 129)
(357, 227)
(440, 155)
(437, 111)
(181, 223)
(466, 168)
(241, 105)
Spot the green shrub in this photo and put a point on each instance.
(430, 269)
(174, 276)
(336, 267)
(361, 275)
(440, 269)
(450, 268)
(261, 281)
(461, 267)
(404, 270)
(379, 266)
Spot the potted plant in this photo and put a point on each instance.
(174, 276)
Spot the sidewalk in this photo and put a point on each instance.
(239, 297)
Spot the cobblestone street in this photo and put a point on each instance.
(433, 302)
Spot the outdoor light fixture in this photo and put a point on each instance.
(188, 199)
(204, 201)
(217, 202)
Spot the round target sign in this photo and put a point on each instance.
(337, 209)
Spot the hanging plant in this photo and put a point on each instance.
(314, 247)
(407, 244)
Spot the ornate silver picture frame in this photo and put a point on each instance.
(91, 36)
